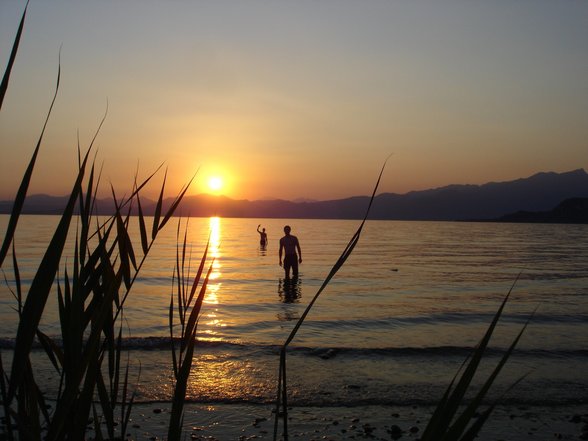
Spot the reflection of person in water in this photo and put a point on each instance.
(289, 290)
(289, 246)
(262, 236)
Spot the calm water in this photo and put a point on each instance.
(393, 326)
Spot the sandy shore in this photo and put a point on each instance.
(255, 422)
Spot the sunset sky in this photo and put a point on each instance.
(298, 99)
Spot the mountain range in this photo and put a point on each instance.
(541, 192)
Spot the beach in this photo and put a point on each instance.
(241, 422)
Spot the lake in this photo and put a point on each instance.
(392, 327)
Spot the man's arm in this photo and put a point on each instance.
(299, 251)
(280, 252)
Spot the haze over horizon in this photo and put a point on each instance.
(297, 100)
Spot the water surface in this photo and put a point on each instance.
(393, 326)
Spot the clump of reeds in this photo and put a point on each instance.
(91, 293)
(455, 418)
(188, 303)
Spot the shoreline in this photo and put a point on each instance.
(243, 422)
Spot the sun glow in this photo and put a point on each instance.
(215, 183)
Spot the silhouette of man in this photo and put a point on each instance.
(262, 236)
(289, 246)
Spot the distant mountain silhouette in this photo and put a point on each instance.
(570, 211)
(538, 193)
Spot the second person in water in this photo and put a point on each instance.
(262, 236)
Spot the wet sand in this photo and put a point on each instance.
(256, 422)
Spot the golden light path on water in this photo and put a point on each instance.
(211, 298)
(218, 374)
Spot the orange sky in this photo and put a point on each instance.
(299, 99)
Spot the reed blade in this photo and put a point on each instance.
(107, 411)
(158, 208)
(24, 185)
(13, 52)
(41, 287)
(142, 227)
(462, 386)
(193, 318)
(177, 412)
(5, 407)
(17, 280)
(52, 349)
(342, 259)
(170, 212)
(340, 262)
(198, 276)
(459, 427)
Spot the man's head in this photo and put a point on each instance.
(287, 229)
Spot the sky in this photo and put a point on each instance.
(296, 99)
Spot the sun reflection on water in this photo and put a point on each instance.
(212, 297)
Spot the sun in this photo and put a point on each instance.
(215, 183)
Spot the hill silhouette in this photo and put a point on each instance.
(570, 211)
(538, 193)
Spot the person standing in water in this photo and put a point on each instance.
(289, 246)
(262, 236)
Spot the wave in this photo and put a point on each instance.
(382, 401)
(156, 343)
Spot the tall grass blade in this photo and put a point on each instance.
(472, 367)
(83, 406)
(342, 259)
(106, 407)
(175, 204)
(97, 427)
(142, 227)
(193, 319)
(5, 406)
(41, 287)
(29, 423)
(171, 329)
(183, 361)
(462, 422)
(24, 185)
(177, 413)
(346, 253)
(199, 272)
(17, 280)
(158, 207)
(52, 350)
(446, 410)
(126, 407)
(7, 72)
(179, 266)
(472, 432)
(125, 247)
